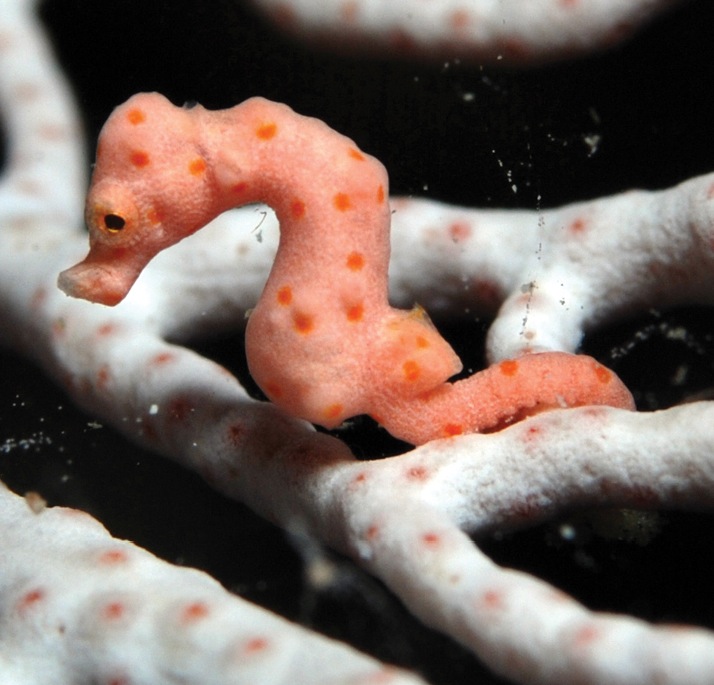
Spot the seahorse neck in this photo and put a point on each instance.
(323, 185)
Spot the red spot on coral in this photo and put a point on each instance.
(333, 411)
(402, 41)
(106, 329)
(148, 430)
(585, 636)
(643, 497)
(236, 433)
(515, 48)
(411, 369)
(578, 225)
(417, 473)
(52, 132)
(135, 116)
(112, 557)
(28, 91)
(532, 433)
(372, 532)
(103, 376)
(30, 599)
(285, 295)
(355, 313)
(459, 20)
(304, 323)
(239, 188)
(194, 612)
(163, 358)
(119, 680)
(297, 209)
(452, 429)
(380, 194)
(139, 158)
(492, 599)
(356, 154)
(256, 644)
(459, 231)
(39, 297)
(509, 367)
(355, 261)
(59, 327)
(113, 611)
(179, 409)
(342, 201)
(30, 187)
(283, 14)
(197, 166)
(266, 131)
(431, 539)
(485, 292)
(359, 479)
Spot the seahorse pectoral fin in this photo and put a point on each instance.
(412, 357)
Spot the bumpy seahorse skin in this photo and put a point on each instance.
(323, 342)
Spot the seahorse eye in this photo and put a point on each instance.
(114, 222)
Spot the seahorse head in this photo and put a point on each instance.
(150, 188)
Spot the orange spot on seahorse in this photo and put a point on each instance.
(603, 375)
(297, 209)
(266, 131)
(452, 429)
(380, 194)
(139, 158)
(355, 313)
(155, 216)
(135, 116)
(197, 166)
(356, 154)
(509, 367)
(285, 295)
(355, 261)
(304, 323)
(411, 370)
(342, 201)
(333, 411)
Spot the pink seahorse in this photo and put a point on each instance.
(323, 342)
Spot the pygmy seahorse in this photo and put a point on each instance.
(323, 341)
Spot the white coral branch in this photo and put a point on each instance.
(81, 606)
(485, 30)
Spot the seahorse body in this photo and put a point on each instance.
(323, 341)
